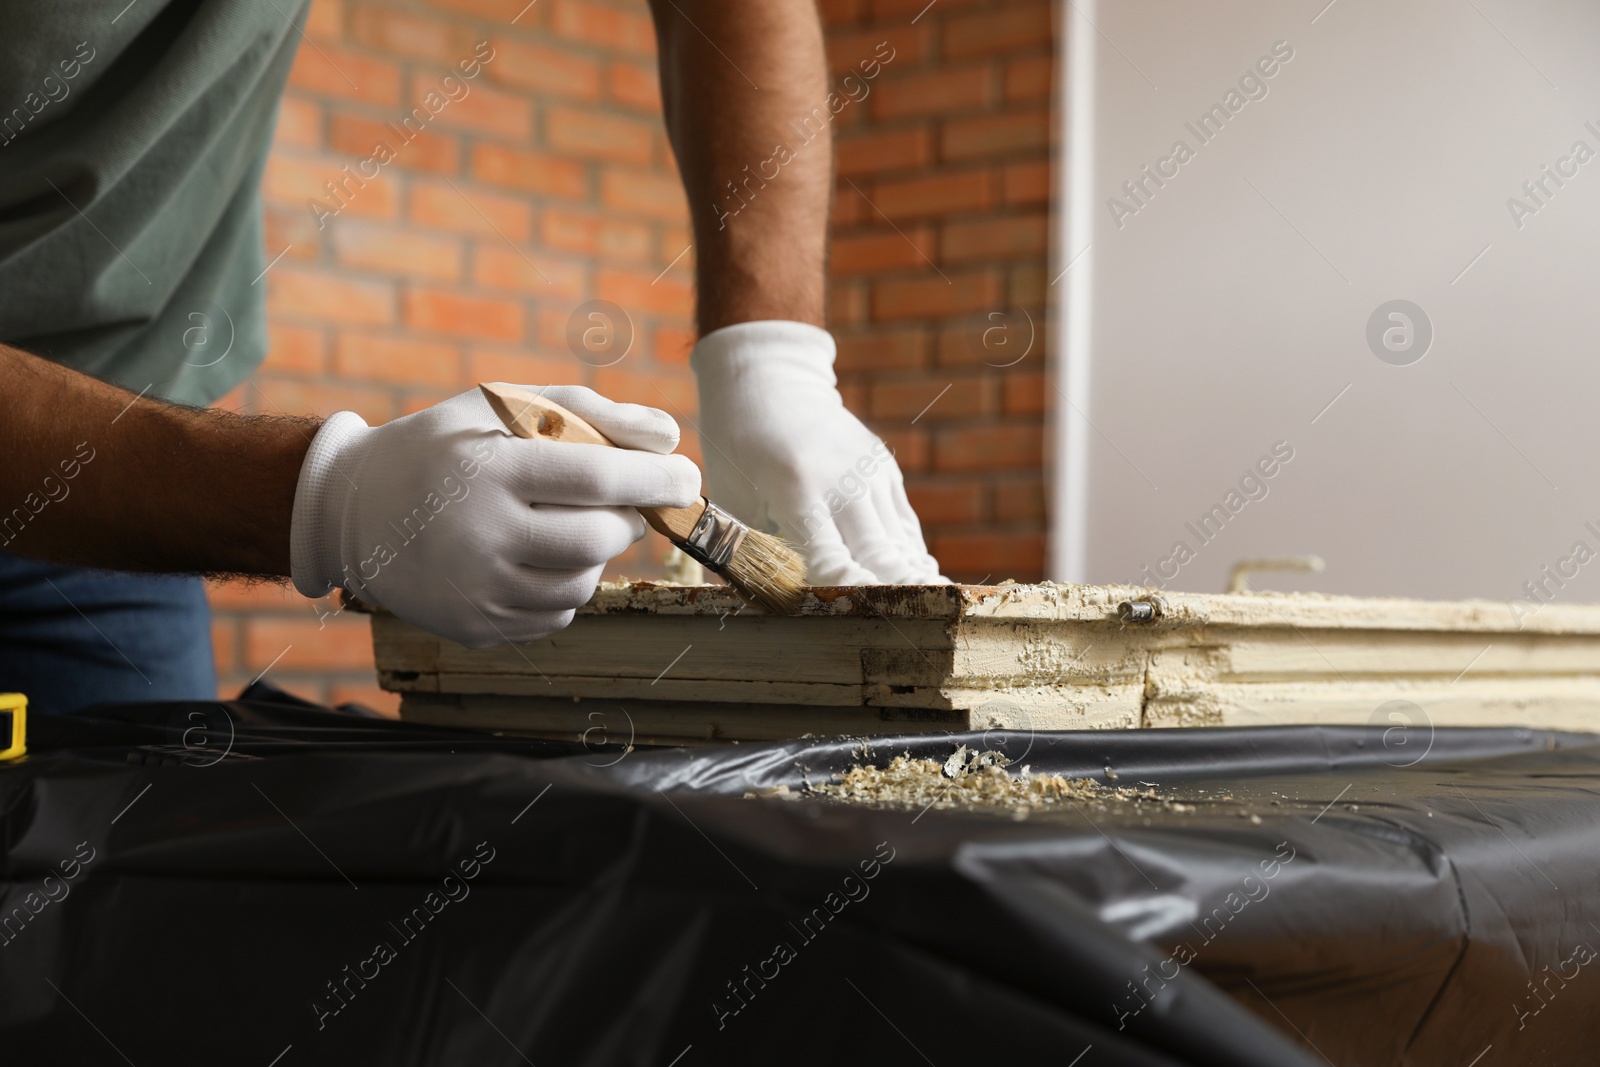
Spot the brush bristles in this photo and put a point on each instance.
(767, 569)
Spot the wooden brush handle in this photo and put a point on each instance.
(527, 414)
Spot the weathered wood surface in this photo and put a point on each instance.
(696, 662)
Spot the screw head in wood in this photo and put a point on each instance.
(1135, 612)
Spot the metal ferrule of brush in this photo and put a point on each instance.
(715, 538)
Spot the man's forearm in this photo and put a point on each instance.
(735, 76)
(92, 476)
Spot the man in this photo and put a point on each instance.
(129, 203)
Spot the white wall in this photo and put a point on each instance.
(1231, 308)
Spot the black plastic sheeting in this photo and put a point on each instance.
(258, 883)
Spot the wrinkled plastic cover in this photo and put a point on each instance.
(259, 883)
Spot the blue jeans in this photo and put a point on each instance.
(71, 637)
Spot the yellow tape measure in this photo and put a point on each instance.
(13, 707)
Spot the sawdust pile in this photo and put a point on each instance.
(977, 781)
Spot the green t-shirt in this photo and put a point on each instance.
(131, 151)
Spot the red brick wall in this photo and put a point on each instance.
(551, 183)
(939, 264)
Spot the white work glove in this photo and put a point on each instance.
(786, 456)
(447, 520)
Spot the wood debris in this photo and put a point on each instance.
(977, 781)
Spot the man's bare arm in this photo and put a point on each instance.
(734, 75)
(90, 475)
(749, 114)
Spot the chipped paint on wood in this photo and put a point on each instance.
(1044, 656)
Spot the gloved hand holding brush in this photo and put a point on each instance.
(454, 525)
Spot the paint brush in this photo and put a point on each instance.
(760, 566)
